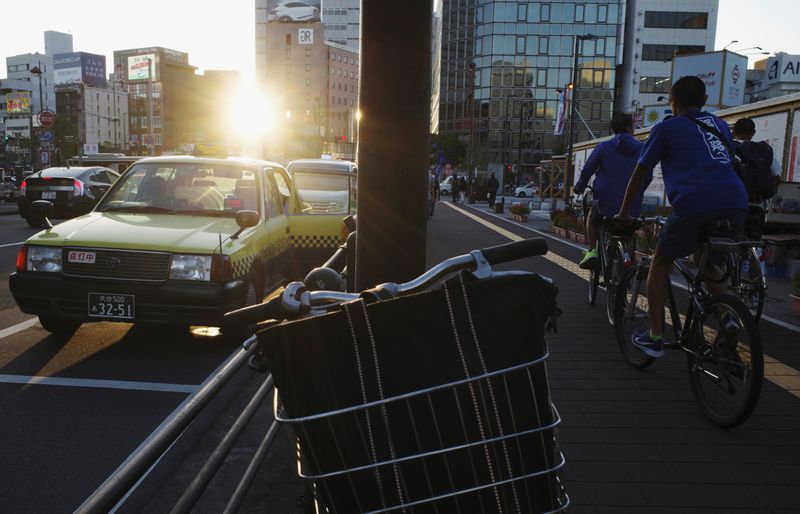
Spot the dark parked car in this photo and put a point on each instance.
(73, 191)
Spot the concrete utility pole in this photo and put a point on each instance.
(150, 132)
(568, 173)
(393, 146)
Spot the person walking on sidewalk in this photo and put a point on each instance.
(493, 185)
(695, 149)
(454, 189)
(612, 164)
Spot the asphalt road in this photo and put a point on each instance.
(97, 397)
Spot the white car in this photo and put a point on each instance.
(294, 12)
(526, 190)
(446, 186)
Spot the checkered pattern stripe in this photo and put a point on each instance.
(242, 265)
(314, 241)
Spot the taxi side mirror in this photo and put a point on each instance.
(246, 219)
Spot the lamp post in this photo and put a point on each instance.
(729, 44)
(568, 173)
(36, 70)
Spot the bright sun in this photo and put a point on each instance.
(252, 118)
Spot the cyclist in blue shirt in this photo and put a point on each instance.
(696, 163)
(612, 163)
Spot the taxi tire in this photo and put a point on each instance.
(254, 295)
(59, 326)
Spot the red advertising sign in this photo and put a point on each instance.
(47, 118)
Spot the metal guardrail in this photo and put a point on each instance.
(123, 481)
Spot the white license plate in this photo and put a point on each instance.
(110, 305)
(77, 257)
(48, 195)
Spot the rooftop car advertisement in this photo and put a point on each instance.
(283, 11)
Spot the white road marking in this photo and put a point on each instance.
(12, 244)
(775, 371)
(19, 327)
(98, 384)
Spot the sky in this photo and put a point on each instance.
(220, 34)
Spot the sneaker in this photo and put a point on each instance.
(643, 341)
(589, 260)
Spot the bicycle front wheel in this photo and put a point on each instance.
(631, 316)
(725, 361)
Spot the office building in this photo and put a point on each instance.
(502, 65)
(655, 31)
(99, 115)
(342, 20)
(57, 42)
(163, 98)
(436, 63)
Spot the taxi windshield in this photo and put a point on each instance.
(325, 193)
(191, 188)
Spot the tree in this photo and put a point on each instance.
(448, 145)
(66, 138)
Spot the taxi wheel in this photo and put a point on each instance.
(59, 326)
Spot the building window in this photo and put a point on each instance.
(288, 39)
(308, 67)
(600, 47)
(667, 52)
(522, 12)
(602, 14)
(580, 12)
(288, 53)
(541, 77)
(308, 52)
(521, 44)
(597, 78)
(597, 110)
(544, 12)
(655, 85)
(675, 20)
(308, 83)
(543, 43)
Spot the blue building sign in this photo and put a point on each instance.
(80, 67)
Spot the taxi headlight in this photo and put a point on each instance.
(190, 267)
(44, 258)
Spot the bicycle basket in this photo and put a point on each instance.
(434, 402)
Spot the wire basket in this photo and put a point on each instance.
(425, 414)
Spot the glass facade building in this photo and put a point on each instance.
(502, 64)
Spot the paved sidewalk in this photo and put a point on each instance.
(635, 440)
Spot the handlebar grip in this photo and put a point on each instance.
(513, 251)
(256, 313)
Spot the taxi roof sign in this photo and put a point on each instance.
(209, 150)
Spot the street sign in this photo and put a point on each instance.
(90, 148)
(47, 137)
(44, 158)
(47, 118)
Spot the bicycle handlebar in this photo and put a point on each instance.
(295, 299)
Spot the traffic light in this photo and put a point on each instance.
(508, 168)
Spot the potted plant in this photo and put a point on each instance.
(558, 222)
(519, 212)
(794, 298)
(576, 230)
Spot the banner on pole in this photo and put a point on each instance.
(561, 113)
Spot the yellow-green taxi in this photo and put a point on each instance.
(178, 240)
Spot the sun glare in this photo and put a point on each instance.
(252, 117)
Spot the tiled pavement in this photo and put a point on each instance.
(635, 440)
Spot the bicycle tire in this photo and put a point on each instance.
(753, 296)
(715, 367)
(615, 273)
(624, 326)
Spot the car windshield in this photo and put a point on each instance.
(185, 188)
(324, 192)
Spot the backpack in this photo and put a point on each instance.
(753, 167)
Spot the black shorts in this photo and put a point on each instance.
(683, 235)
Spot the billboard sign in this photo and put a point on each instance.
(79, 67)
(722, 72)
(783, 68)
(18, 103)
(291, 11)
(141, 66)
(654, 114)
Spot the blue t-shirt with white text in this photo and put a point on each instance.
(696, 165)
